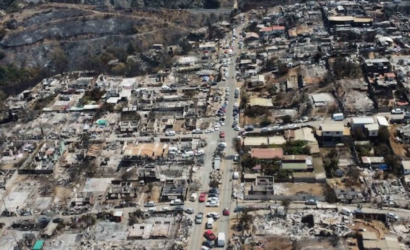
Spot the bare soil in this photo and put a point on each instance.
(303, 188)
(398, 149)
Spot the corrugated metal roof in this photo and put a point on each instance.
(362, 120)
(333, 127)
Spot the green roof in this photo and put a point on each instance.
(294, 166)
(38, 245)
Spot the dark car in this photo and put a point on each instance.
(179, 208)
(248, 128)
(213, 195)
(238, 209)
(213, 191)
(208, 243)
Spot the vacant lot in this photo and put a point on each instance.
(302, 189)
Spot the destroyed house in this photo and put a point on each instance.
(263, 186)
(173, 189)
(82, 199)
(377, 65)
(123, 190)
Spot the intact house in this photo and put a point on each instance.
(332, 133)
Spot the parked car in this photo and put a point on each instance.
(392, 216)
(397, 111)
(208, 243)
(236, 158)
(197, 131)
(222, 134)
(149, 204)
(209, 235)
(198, 218)
(189, 211)
(311, 202)
(225, 212)
(179, 208)
(213, 215)
(202, 197)
(212, 204)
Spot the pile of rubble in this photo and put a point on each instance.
(238, 191)
(215, 175)
(183, 233)
(303, 224)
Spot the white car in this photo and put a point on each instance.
(222, 123)
(165, 209)
(213, 199)
(237, 128)
(217, 125)
(266, 129)
(397, 111)
(212, 204)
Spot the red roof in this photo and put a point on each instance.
(267, 153)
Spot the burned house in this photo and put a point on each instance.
(173, 189)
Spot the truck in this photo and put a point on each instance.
(221, 240)
(217, 163)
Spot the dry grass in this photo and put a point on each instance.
(303, 188)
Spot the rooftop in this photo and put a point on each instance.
(267, 153)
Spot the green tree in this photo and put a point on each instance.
(246, 219)
(186, 47)
(214, 184)
(119, 69)
(131, 48)
(329, 193)
(212, 4)
(287, 119)
(384, 135)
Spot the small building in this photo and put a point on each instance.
(374, 162)
(296, 167)
(208, 46)
(359, 122)
(331, 133)
(372, 129)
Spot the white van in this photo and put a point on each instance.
(346, 211)
(235, 175)
(193, 197)
(209, 223)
